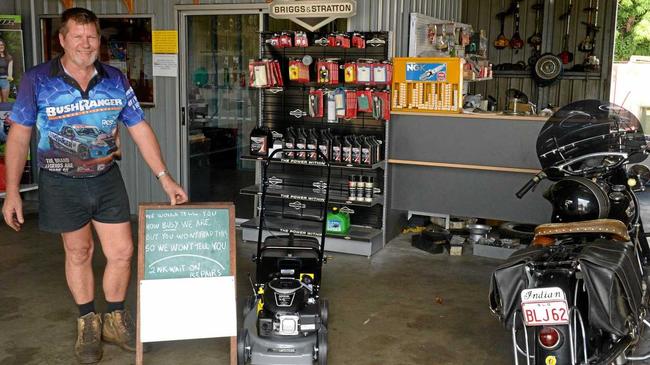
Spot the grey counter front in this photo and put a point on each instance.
(465, 165)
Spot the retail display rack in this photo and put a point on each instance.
(295, 194)
(428, 84)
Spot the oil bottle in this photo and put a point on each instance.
(338, 222)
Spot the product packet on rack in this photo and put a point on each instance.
(342, 40)
(277, 73)
(316, 103)
(382, 73)
(350, 72)
(298, 71)
(331, 40)
(328, 72)
(258, 74)
(358, 40)
(364, 101)
(331, 107)
(364, 73)
(300, 39)
(350, 104)
(340, 99)
(381, 105)
(285, 40)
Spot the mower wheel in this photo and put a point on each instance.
(243, 347)
(322, 346)
(248, 305)
(324, 311)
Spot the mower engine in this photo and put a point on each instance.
(289, 309)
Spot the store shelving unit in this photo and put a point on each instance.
(295, 196)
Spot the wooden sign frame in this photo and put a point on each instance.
(139, 358)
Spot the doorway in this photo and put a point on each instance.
(219, 108)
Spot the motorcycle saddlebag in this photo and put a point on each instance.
(508, 280)
(613, 283)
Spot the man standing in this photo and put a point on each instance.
(75, 103)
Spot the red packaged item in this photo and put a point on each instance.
(342, 40)
(277, 73)
(323, 73)
(298, 71)
(284, 41)
(364, 73)
(327, 72)
(316, 103)
(264, 73)
(382, 73)
(300, 39)
(350, 104)
(331, 40)
(334, 72)
(294, 70)
(364, 101)
(258, 74)
(389, 72)
(358, 40)
(350, 72)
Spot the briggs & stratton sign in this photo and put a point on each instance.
(312, 14)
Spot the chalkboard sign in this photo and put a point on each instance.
(186, 254)
(186, 243)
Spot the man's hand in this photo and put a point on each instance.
(174, 191)
(12, 211)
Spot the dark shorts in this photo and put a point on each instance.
(67, 204)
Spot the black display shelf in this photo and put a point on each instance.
(308, 194)
(376, 165)
(569, 75)
(310, 228)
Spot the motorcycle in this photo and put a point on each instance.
(578, 294)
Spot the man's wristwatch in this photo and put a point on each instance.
(161, 174)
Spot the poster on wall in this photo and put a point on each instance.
(12, 67)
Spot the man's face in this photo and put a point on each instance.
(81, 43)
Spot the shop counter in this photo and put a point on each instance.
(465, 165)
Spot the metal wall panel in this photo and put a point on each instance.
(574, 86)
(393, 15)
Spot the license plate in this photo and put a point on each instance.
(544, 306)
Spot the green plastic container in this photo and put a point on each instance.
(338, 222)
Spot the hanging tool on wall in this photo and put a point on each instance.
(565, 55)
(587, 45)
(502, 41)
(591, 62)
(535, 40)
(516, 42)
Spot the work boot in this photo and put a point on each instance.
(88, 348)
(119, 329)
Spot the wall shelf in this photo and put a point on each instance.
(336, 197)
(310, 228)
(375, 166)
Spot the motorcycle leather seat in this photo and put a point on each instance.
(612, 227)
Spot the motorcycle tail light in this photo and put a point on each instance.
(549, 337)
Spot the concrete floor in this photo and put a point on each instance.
(383, 310)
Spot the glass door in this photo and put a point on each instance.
(219, 108)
